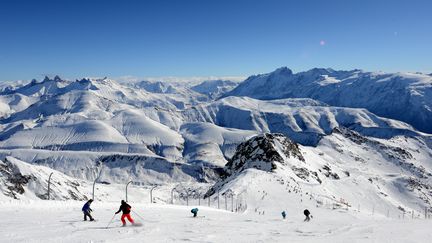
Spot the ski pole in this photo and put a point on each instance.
(138, 215)
(110, 221)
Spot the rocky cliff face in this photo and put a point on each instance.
(268, 152)
(22, 180)
(263, 152)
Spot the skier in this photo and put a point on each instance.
(283, 214)
(308, 215)
(86, 210)
(126, 209)
(194, 211)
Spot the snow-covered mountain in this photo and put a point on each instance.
(180, 134)
(403, 96)
(214, 88)
(156, 87)
(346, 169)
(304, 120)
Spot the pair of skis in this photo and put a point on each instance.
(134, 224)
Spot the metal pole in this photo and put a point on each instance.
(209, 200)
(218, 199)
(94, 183)
(187, 197)
(226, 204)
(49, 183)
(172, 195)
(240, 208)
(232, 202)
(126, 189)
(203, 171)
(199, 199)
(151, 193)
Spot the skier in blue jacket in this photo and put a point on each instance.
(86, 210)
(194, 211)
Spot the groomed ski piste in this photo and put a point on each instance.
(62, 222)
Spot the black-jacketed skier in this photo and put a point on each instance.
(87, 210)
(126, 209)
(194, 211)
(308, 215)
(283, 214)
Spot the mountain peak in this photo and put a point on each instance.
(46, 79)
(283, 71)
(321, 71)
(57, 79)
(84, 80)
(262, 152)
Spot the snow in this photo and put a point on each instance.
(328, 80)
(62, 222)
(211, 144)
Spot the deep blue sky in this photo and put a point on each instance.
(201, 38)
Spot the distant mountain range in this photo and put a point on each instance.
(322, 129)
(403, 96)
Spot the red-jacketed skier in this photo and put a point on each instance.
(126, 209)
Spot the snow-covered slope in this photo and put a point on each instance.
(99, 115)
(402, 96)
(303, 120)
(210, 144)
(178, 94)
(22, 180)
(28, 222)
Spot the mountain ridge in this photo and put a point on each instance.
(384, 94)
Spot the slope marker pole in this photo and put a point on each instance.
(151, 194)
(126, 189)
(49, 183)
